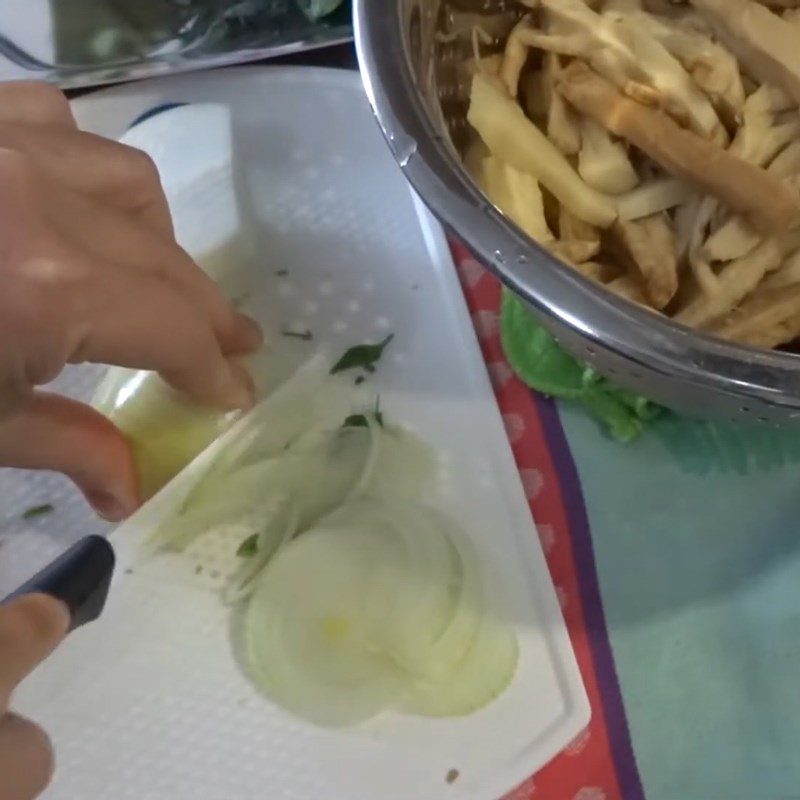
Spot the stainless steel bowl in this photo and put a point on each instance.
(407, 73)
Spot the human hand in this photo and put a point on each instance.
(90, 272)
(30, 628)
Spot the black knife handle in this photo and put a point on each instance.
(79, 577)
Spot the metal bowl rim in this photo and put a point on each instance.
(660, 344)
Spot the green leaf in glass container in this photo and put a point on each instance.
(316, 9)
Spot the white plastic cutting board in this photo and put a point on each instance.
(148, 703)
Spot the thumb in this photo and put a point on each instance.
(31, 627)
(55, 433)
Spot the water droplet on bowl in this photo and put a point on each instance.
(407, 153)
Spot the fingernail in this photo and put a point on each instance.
(244, 391)
(108, 506)
(251, 333)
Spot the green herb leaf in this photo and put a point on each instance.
(38, 511)
(361, 420)
(249, 547)
(362, 356)
(356, 421)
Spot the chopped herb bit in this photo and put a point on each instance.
(248, 548)
(361, 421)
(281, 273)
(305, 335)
(362, 356)
(198, 569)
(359, 380)
(452, 775)
(129, 571)
(38, 511)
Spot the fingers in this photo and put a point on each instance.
(30, 629)
(119, 175)
(55, 433)
(114, 236)
(99, 172)
(35, 103)
(133, 319)
(26, 758)
(112, 290)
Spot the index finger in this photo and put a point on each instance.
(134, 319)
(35, 103)
(30, 629)
(113, 172)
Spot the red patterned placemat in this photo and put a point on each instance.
(594, 765)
